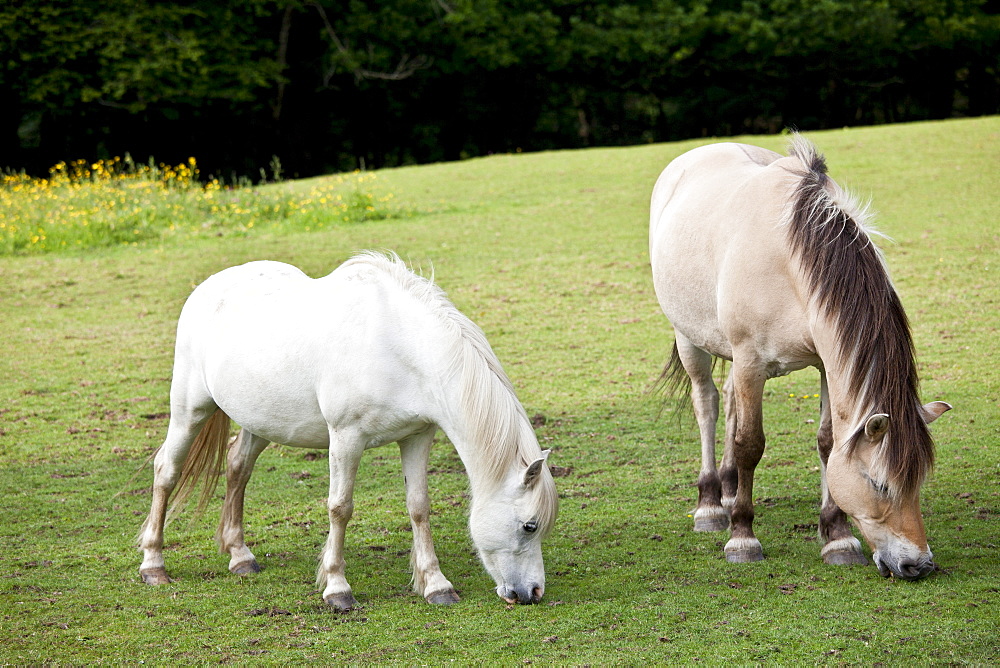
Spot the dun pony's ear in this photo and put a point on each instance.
(534, 469)
(876, 426)
(934, 410)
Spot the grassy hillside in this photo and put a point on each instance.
(547, 252)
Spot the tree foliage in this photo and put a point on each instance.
(333, 84)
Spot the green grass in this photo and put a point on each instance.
(547, 252)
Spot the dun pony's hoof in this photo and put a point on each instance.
(744, 550)
(711, 523)
(844, 558)
(446, 597)
(246, 568)
(843, 552)
(342, 602)
(155, 576)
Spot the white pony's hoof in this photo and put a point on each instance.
(155, 576)
(246, 568)
(446, 597)
(343, 602)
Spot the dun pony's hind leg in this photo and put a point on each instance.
(748, 447)
(243, 455)
(345, 455)
(709, 515)
(727, 471)
(840, 547)
(428, 581)
(167, 465)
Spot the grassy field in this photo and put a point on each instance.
(547, 252)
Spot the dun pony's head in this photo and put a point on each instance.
(887, 513)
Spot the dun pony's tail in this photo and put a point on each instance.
(674, 382)
(205, 461)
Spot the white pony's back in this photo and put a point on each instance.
(286, 356)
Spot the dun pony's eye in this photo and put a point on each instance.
(530, 526)
(882, 489)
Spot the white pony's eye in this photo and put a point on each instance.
(530, 526)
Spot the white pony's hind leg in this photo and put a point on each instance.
(243, 453)
(428, 581)
(167, 465)
(345, 456)
(709, 514)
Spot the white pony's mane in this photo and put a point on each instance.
(496, 421)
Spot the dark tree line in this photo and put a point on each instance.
(329, 85)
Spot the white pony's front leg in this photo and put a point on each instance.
(243, 455)
(345, 455)
(428, 580)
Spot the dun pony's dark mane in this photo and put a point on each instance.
(848, 278)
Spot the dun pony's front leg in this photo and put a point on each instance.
(428, 581)
(840, 547)
(243, 455)
(748, 447)
(345, 456)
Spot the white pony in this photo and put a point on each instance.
(368, 355)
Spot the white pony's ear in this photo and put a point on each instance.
(534, 469)
(876, 426)
(934, 410)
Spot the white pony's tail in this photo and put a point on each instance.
(205, 461)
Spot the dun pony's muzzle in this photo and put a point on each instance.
(905, 568)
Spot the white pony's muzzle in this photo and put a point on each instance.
(525, 594)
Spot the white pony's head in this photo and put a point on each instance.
(508, 526)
